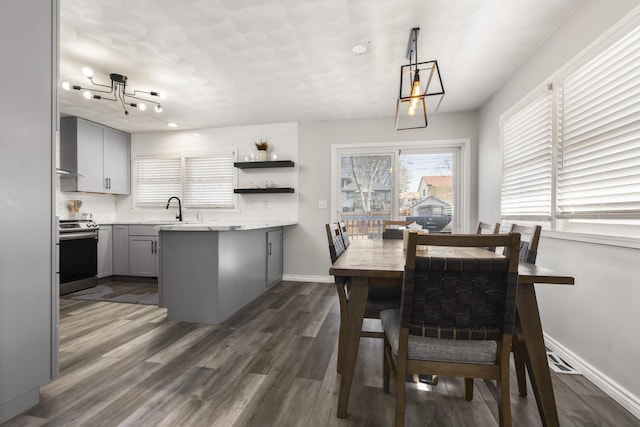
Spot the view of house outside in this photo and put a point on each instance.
(424, 194)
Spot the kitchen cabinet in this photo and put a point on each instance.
(274, 257)
(209, 273)
(143, 250)
(98, 154)
(120, 240)
(105, 251)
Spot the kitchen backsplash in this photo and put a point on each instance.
(101, 206)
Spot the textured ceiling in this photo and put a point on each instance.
(230, 62)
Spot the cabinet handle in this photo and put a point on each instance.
(106, 183)
(109, 183)
(152, 246)
(269, 248)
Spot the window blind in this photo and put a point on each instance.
(157, 179)
(599, 139)
(527, 160)
(209, 180)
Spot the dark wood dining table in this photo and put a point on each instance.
(381, 262)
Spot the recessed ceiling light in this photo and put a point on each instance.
(172, 125)
(359, 49)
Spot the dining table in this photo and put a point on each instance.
(381, 262)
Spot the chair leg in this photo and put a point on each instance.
(401, 390)
(504, 402)
(468, 389)
(342, 333)
(386, 369)
(518, 361)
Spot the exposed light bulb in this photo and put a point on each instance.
(416, 92)
(158, 108)
(141, 106)
(88, 72)
(87, 94)
(66, 85)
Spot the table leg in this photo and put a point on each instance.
(357, 304)
(535, 354)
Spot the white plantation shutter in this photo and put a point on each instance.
(599, 140)
(527, 161)
(156, 179)
(209, 180)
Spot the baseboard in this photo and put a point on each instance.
(19, 404)
(618, 393)
(301, 278)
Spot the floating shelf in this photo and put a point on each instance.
(267, 164)
(263, 190)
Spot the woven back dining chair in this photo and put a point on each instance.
(388, 230)
(345, 233)
(456, 318)
(379, 298)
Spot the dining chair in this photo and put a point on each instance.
(529, 241)
(379, 298)
(393, 233)
(486, 228)
(528, 252)
(345, 233)
(456, 318)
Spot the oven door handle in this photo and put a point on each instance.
(79, 235)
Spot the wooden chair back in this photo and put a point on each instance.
(486, 228)
(529, 241)
(345, 233)
(335, 241)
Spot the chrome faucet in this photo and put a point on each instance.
(179, 216)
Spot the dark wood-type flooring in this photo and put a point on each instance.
(273, 364)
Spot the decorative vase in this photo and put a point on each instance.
(262, 155)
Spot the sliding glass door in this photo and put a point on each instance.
(402, 184)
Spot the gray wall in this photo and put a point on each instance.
(306, 253)
(594, 321)
(26, 177)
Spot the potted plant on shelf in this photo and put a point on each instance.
(262, 147)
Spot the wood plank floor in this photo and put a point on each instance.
(273, 364)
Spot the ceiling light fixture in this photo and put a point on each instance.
(117, 92)
(420, 95)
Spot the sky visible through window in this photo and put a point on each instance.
(419, 165)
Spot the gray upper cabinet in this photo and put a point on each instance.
(98, 154)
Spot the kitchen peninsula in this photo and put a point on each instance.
(210, 270)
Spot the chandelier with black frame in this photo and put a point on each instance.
(421, 89)
(117, 92)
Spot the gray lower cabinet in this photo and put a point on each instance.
(226, 270)
(105, 251)
(120, 240)
(274, 257)
(143, 250)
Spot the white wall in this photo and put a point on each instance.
(594, 321)
(27, 287)
(283, 140)
(306, 253)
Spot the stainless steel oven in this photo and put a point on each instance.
(78, 255)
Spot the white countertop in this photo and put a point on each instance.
(222, 226)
